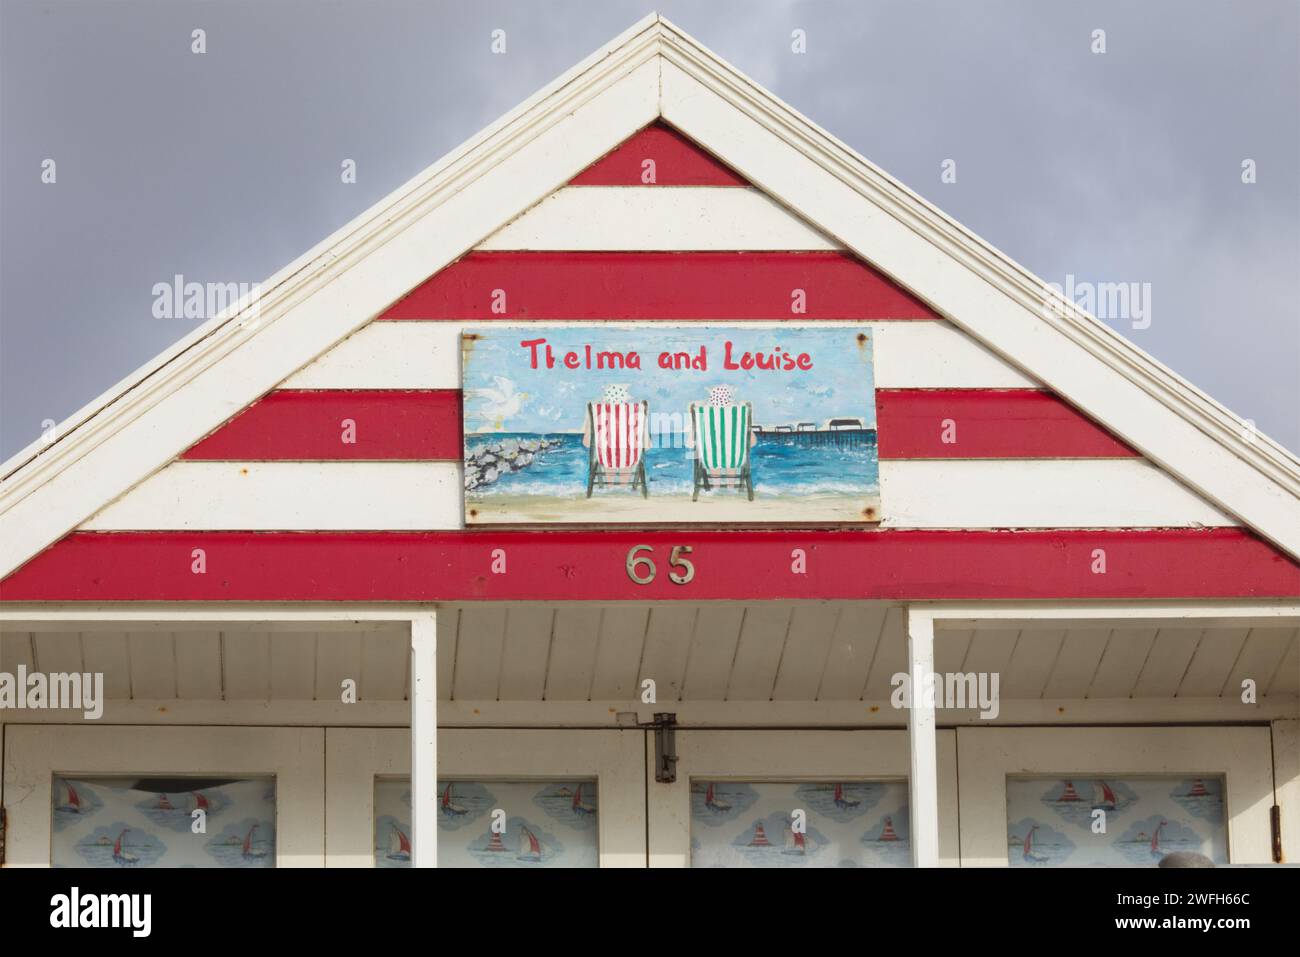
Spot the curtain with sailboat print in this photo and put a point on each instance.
(494, 824)
(98, 823)
(1114, 821)
(818, 824)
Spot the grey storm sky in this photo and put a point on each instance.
(223, 167)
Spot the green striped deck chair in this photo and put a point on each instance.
(721, 436)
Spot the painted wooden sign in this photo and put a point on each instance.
(669, 424)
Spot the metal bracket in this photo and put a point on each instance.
(665, 725)
(1275, 825)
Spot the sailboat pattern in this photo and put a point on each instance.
(545, 824)
(1050, 822)
(105, 824)
(843, 824)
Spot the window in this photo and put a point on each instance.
(788, 824)
(163, 823)
(494, 823)
(1113, 821)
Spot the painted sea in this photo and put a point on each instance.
(780, 468)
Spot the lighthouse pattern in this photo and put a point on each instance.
(817, 824)
(1053, 822)
(494, 824)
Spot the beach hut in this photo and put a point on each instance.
(1100, 577)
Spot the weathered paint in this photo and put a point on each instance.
(591, 566)
(658, 285)
(425, 425)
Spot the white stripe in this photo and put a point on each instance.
(255, 496)
(1110, 493)
(426, 355)
(658, 218)
(1042, 493)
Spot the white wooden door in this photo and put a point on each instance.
(553, 793)
(37, 757)
(738, 794)
(1114, 796)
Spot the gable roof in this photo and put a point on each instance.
(651, 72)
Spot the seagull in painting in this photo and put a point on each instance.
(496, 405)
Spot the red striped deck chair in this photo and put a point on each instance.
(721, 434)
(620, 432)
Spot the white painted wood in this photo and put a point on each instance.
(58, 651)
(294, 756)
(759, 652)
(247, 658)
(1042, 493)
(153, 665)
(480, 640)
(408, 496)
(923, 790)
(387, 355)
(1122, 661)
(990, 652)
(105, 653)
(874, 714)
(449, 619)
(385, 666)
(572, 660)
(1213, 613)
(988, 755)
(982, 291)
(1212, 662)
(803, 659)
(414, 354)
(1286, 765)
(890, 658)
(1165, 666)
(784, 756)
(529, 630)
(326, 295)
(1259, 659)
(16, 652)
(667, 649)
(198, 664)
(852, 648)
(658, 218)
(1287, 678)
(252, 496)
(338, 659)
(423, 741)
(293, 666)
(618, 654)
(1076, 663)
(355, 757)
(713, 651)
(1032, 662)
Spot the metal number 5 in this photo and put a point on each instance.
(678, 560)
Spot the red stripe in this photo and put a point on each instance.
(305, 424)
(591, 565)
(652, 286)
(987, 424)
(677, 162)
(417, 426)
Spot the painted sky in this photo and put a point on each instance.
(504, 393)
(1115, 167)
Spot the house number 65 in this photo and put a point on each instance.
(677, 560)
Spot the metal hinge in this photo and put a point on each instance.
(1275, 822)
(665, 725)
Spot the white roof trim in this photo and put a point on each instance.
(651, 70)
